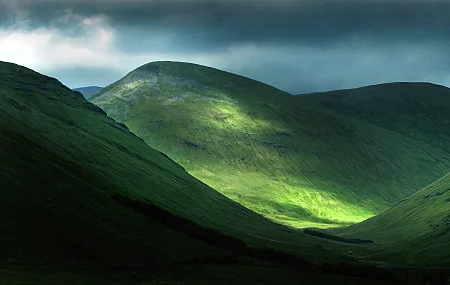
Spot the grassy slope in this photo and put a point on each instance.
(277, 154)
(62, 158)
(416, 230)
(416, 110)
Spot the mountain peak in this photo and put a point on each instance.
(166, 78)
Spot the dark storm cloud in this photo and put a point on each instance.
(299, 46)
(209, 24)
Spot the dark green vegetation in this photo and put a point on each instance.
(65, 166)
(89, 91)
(416, 110)
(277, 154)
(320, 234)
(415, 231)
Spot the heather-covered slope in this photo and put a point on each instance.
(275, 153)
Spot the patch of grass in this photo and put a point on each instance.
(316, 233)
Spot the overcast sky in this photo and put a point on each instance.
(299, 46)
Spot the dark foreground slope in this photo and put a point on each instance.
(416, 230)
(275, 153)
(416, 110)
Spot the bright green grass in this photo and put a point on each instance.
(415, 231)
(275, 153)
(61, 158)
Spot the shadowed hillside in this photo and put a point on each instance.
(274, 153)
(416, 110)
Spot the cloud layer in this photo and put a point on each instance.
(299, 46)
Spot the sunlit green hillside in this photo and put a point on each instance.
(273, 152)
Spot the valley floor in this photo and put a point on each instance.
(258, 274)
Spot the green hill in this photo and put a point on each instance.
(416, 110)
(277, 154)
(415, 231)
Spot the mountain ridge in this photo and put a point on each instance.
(416, 110)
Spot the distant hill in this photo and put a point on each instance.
(89, 91)
(277, 154)
(415, 231)
(416, 110)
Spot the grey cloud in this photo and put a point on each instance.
(215, 24)
(321, 44)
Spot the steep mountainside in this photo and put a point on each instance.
(275, 153)
(416, 230)
(416, 110)
(89, 91)
(65, 166)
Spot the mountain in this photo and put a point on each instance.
(415, 110)
(278, 154)
(85, 201)
(89, 91)
(416, 230)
